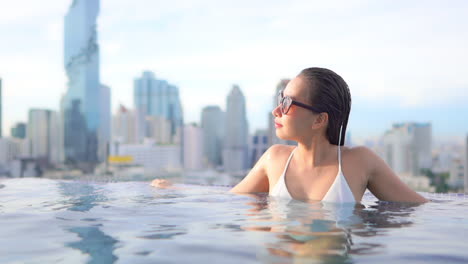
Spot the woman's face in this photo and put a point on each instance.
(298, 121)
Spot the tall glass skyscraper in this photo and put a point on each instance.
(235, 153)
(83, 112)
(212, 122)
(157, 98)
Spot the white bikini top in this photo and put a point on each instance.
(339, 191)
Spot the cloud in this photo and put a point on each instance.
(28, 12)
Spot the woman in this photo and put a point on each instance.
(313, 110)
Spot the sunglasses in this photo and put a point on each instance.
(285, 103)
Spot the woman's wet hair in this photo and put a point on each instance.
(330, 94)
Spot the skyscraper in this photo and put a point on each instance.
(157, 98)
(212, 122)
(105, 121)
(43, 130)
(259, 144)
(81, 106)
(235, 153)
(193, 147)
(1, 114)
(19, 130)
(124, 126)
(466, 164)
(159, 129)
(9, 150)
(407, 147)
(456, 179)
(272, 138)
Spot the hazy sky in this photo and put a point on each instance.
(403, 60)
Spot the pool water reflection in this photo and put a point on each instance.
(43, 221)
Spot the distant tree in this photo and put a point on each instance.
(438, 180)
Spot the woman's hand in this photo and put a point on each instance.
(161, 183)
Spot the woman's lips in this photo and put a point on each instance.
(278, 125)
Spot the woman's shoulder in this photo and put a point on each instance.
(278, 154)
(357, 150)
(358, 164)
(276, 158)
(360, 150)
(359, 155)
(279, 150)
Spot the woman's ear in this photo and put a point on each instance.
(321, 120)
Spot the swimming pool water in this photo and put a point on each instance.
(60, 221)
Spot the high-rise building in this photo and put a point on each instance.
(235, 153)
(466, 165)
(104, 122)
(43, 135)
(19, 130)
(153, 157)
(23, 147)
(212, 122)
(158, 128)
(1, 106)
(272, 138)
(157, 98)
(124, 129)
(456, 178)
(9, 150)
(407, 148)
(84, 102)
(259, 144)
(193, 147)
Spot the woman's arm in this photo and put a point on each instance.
(257, 179)
(385, 184)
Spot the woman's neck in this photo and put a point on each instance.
(315, 152)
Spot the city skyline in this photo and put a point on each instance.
(85, 107)
(405, 72)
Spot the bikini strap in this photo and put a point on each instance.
(290, 157)
(339, 148)
(289, 160)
